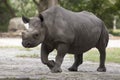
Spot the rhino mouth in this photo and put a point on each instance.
(28, 44)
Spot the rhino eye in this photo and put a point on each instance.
(35, 36)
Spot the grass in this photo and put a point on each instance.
(26, 49)
(113, 55)
(19, 47)
(22, 79)
(3, 47)
(15, 79)
(28, 55)
(92, 55)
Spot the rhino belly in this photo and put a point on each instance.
(83, 44)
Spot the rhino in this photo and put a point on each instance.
(67, 32)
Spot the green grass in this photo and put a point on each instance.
(15, 79)
(92, 55)
(29, 49)
(113, 55)
(4, 47)
(19, 47)
(26, 49)
(28, 55)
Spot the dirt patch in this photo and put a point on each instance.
(33, 69)
(12, 68)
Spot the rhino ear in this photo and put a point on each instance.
(41, 17)
(25, 19)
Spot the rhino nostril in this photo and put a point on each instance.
(23, 33)
(28, 44)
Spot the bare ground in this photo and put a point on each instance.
(33, 69)
(14, 68)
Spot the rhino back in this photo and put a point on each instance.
(87, 31)
(81, 30)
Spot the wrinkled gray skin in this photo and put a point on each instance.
(67, 32)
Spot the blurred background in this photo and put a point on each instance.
(12, 10)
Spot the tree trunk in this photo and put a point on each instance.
(11, 10)
(44, 4)
(52, 3)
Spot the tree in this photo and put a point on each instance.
(12, 8)
(104, 9)
(44, 4)
(6, 12)
(24, 7)
(8, 7)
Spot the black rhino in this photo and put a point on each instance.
(67, 32)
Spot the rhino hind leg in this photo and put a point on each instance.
(102, 67)
(78, 60)
(101, 46)
(102, 50)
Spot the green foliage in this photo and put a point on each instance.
(115, 32)
(3, 27)
(15, 8)
(24, 7)
(104, 9)
(4, 17)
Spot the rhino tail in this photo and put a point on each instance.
(104, 37)
(105, 33)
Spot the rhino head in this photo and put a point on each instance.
(35, 33)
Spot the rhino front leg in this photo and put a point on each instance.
(78, 60)
(44, 56)
(62, 50)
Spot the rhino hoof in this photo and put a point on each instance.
(101, 69)
(56, 70)
(72, 69)
(51, 64)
